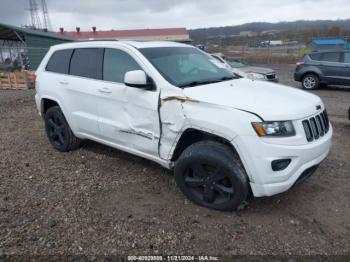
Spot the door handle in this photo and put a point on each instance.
(64, 82)
(105, 90)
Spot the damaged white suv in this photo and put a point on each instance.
(224, 136)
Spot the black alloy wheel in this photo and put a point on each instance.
(211, 175)
(209, 183)
(58, 131)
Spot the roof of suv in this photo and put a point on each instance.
(328, 51)
(135, 44)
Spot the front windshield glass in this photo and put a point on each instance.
(236, 64)
(185, 66)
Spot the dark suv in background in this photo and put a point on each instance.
(323, 68)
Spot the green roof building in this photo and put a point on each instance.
(33, 43)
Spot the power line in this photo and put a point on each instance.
(34, 14)
(38, 22)
(46, 18)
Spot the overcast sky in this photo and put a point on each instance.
(127, 14)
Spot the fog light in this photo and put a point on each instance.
(280, 164)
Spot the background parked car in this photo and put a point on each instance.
(243, 69)
(323, 68)
(201, 47)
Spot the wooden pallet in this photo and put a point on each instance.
(16, 80)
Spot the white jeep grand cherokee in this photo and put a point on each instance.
(224, 136)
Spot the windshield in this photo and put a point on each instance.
(185, 66)
(236, 63)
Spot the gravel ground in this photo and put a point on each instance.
(101, 201)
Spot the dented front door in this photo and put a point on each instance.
(128, 116)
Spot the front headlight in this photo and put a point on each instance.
(276, 128)
(257, 76)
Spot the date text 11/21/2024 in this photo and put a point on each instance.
(173, 258)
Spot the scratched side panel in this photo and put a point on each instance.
(179, 113)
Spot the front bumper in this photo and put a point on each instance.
(260, 190)
(274, 80)
(257, 157)
(271, 77)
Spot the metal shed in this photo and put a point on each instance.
(23, 48)
(327, 44)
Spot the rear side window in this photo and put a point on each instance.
(59, 61)
(116, 64)
(316, 56)
(331, 57)
(87, 62)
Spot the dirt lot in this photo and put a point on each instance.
(101, 201)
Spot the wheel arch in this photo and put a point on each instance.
(309, 73)
(193, 135)
(47, 101)
(314, 71)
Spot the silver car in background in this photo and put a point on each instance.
(241, 68)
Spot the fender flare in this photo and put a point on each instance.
(230, 140)
(199, 129)
(313, 70)
(42, 98)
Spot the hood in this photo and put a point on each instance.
(270, 101)
(256, 69)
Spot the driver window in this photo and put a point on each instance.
(116, 63)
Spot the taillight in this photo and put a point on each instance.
(299, 63)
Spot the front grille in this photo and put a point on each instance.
(271, 76)
(316, 127)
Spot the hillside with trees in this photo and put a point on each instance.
(298, 30)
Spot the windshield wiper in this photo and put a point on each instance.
(196, 83)
(225, 78)
(193, 83)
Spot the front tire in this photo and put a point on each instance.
(310, 82)
(58, 131)
(209, 174)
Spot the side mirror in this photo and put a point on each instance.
(138, 79)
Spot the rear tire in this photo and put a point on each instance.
(310, 82)
(58, 131)
(210, 175)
